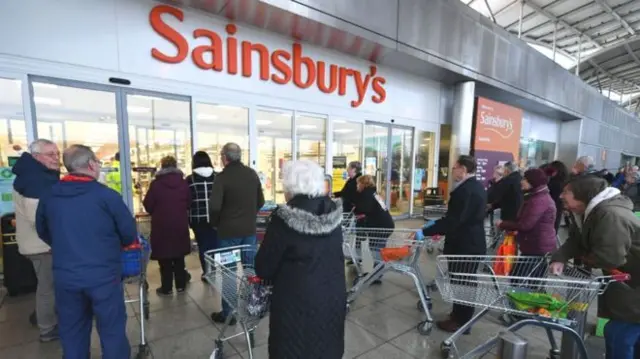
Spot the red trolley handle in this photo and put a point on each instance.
(254, 279)
(619, 276)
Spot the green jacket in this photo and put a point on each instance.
(113, 177)
(609, 238)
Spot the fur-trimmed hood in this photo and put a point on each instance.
(306, 222)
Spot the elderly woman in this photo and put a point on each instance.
(167, 201)
(631, 188)
(302, 256)
(607, 236)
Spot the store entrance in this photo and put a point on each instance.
(388, 157)
(136, 127)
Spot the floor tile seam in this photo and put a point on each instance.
(175, 334)
(367, 330)
(402, 350)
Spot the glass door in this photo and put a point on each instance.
(376, 143)
(401, 171)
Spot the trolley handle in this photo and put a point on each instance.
(619, 276)
(254, 279)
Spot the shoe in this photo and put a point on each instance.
(50, 336)
(448, 325)
(219, 317)
(164, 293)
(180, 290)
(188, 276)
(33, 319)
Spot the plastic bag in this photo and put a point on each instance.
(395, 254)
(502, 266)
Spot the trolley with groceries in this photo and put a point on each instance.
(246, 294)
(390, 250)
(522, 287)
(135, 258)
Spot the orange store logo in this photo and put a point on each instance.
(503, 127)
(280, 66)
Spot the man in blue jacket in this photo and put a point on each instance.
(87, 224)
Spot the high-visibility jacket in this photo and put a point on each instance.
(113, 179)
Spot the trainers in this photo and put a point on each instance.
(180, 290)
(219, 317)
(50, 336)
(164, 293)
(187, 276)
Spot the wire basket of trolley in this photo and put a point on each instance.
(245, 293)
(135, 258)
(522, 287)
(430, 213)
(349, 220)
(395, 250)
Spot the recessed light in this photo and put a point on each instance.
(137, 109)
(47, 101)
(263, 122)
(143, 97)
(307, 127)
(207, 116)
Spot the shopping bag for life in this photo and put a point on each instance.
(395, 254)
(506, 251)
(259, 297)
(134, 257)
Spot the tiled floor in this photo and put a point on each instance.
(381, 324)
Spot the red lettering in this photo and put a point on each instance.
(298, 61)
(232, 49)
(215, 49)
(333, 77)
(263, 52)
(362, 85)
(278, 58)
(342, 83)
(377, 86)
(169, 33)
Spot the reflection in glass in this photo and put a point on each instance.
(310, 135)
(274, 149)
(376, 140)
(535, 153)
(401, 159)
(13, 133)
(158, 127)
(347, 146)
(220, 124)
(423, 175)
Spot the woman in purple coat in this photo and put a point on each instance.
(167, 201)
(535, 224)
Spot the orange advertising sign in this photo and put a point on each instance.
(224, 52)
(498, 127)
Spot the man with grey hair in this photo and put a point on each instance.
(583, 165)
(87, 224)
(36, 172)
(350, 189)
(507, 193)
(236, 198)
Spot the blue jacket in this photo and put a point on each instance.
(86, 224)
(33, 179)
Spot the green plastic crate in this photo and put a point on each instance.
(600, 326)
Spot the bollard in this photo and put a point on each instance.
(511, 346)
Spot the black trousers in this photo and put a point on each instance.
(171, 269)
(461, 313)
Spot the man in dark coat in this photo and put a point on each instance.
(507, 193)
(167, 201)
(236, 198)
(302, 256)
(463, 227)
(350, 190)
(87, 224)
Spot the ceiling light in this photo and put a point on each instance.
(44, 85)
(307, 127)
(423, 145)
(227, 107)
(207, 116)
(339, 121)
(263, 122)
(137, 109)
(143, 97)
(343, 130)
(47, 101)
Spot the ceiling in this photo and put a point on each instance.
(603, 35)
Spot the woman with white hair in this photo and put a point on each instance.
(301, 255)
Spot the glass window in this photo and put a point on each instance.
(158, 127)
(13, 134)
(274, 149)
(219, 124)
(424, 172)
(311, 138)
(375, 155)
(401, 161)
(535, 153)
(347, 147)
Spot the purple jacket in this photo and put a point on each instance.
(535, 223)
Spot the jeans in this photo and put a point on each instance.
(45, 294)
(248, 258)
(622, 340)
(207, 239)
(170, 269)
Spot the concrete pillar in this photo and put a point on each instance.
(461, 123)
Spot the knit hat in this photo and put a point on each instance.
(536, 177)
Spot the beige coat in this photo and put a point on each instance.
(28, 241)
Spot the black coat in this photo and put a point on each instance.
(463, 224)
(375, 212)
(348, 193)
(302, 256)
(556, 186)
(507, 195)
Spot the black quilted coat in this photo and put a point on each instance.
(302, 255)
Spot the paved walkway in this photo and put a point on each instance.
(381, 324)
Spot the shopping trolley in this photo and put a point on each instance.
(391, 250)
(530, 292)
(134, 269)
(349, 220)
(143, 224)
(434, 212)
(241, 289)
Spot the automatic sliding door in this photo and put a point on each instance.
(401, 168)
(376, 144)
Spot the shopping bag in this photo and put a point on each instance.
(395, 254)
(506, 251)
(134, 257)
(259, 297)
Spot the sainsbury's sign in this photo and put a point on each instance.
(503, 127)
(226, 53)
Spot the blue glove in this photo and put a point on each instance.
(419, 235)
(429, 224)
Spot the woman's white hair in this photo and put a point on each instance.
(303, 177)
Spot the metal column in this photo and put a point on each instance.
(462, 123)
(520, 19)
(579, 55)
(555, 33)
